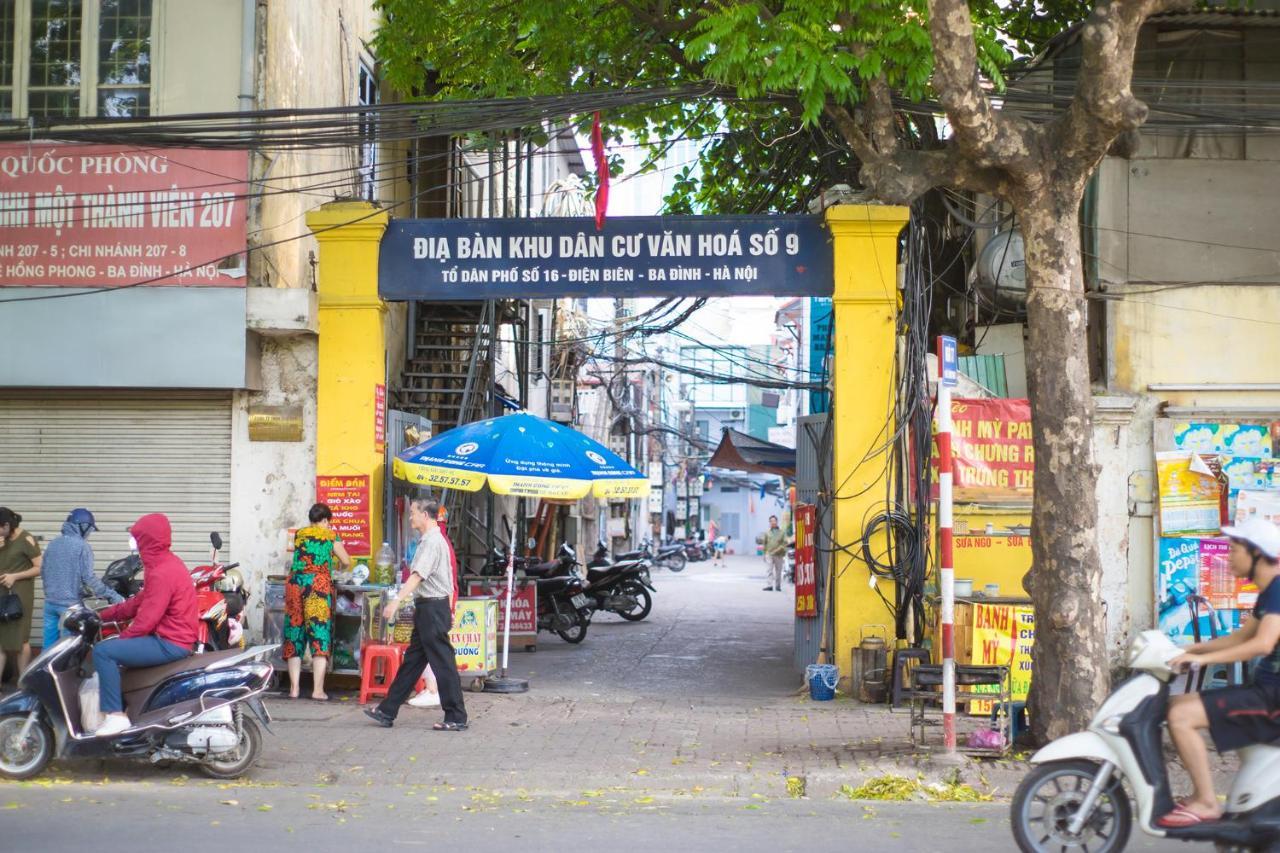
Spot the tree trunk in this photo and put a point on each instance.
(1065, 583)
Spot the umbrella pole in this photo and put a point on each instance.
(503, 684)
(506, 622)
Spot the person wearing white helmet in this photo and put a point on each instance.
(1235, 716)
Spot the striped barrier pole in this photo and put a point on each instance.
(947, 366)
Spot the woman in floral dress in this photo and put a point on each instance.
(308, 600)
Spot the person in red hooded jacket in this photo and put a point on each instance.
(165, 619)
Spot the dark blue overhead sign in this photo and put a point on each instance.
(447, 260)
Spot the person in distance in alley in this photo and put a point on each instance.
(430, 585)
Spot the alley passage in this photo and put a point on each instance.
(714, 635)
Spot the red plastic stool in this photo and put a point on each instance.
(378, 668)
(422, 682)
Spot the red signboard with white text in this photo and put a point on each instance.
(524, 604)
(348, 498)
(117, 215)
(806, 560)
(993, 455)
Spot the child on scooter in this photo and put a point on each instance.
(1235, 716)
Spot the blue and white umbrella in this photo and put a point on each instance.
(524, 455)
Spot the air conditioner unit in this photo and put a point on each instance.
(735, 414)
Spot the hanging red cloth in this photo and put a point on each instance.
(602, 170)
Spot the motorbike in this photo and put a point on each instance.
(668, 556)
(221, 597)
(621, 587)
(1075, 796)
(563, 606)
(203, 710)
(695, 551)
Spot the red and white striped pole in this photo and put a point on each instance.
(946, 567)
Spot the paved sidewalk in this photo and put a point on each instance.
(701, 698)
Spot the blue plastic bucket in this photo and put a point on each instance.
(822, 678)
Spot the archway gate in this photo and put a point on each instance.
(849, 253)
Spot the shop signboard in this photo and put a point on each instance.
(117, 215)
(348, 497)
(820, 309)
(806, 561)
(991, 440)
(475, 635)
(1002, 635)
(379, 418)
(524, 603)
(453, 259)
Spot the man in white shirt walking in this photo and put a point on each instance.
(430, 585)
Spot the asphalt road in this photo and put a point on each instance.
(196, 816)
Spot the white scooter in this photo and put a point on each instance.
(1075, 799)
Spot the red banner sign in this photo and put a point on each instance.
(806, 560)
(113, 215)
(379, 418)
(994, 457)
(524, 604)
(348, 498)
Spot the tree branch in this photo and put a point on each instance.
(955, 76)
(993, 139)
(1104, 106)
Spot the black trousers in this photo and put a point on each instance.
(429, 644)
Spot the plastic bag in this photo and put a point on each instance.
(90, 714)
(986, 739)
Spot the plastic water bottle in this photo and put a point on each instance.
(384, 565)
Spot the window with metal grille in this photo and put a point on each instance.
(61, 59)
(8, 26)
(53, 90)
(367, 95)
(124, 58)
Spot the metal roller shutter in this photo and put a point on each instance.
(121, 456)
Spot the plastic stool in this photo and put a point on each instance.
(422, 682)
(376, 680)
(901, 675)
(1017, 714)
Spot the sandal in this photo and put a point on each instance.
(1181, 817)
(449, 727)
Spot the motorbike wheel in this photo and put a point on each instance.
(644, 605)
(1048, 798)
(675, 562)
(22, 760)
(233, 765)
(577, 633)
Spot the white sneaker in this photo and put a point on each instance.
(426, 699)
(113, 724)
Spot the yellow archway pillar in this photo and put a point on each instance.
(865, 305)
(352, 347)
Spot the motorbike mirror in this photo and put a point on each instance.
(532, 543)
(215, 540)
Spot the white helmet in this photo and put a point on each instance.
(1259, 533)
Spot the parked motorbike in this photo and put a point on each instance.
(221, 597)
(1075, 797)
(190, 711)
(621, 587)
(563, 606)
(695, 551)
(668, 556)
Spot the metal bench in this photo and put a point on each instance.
(925, 696)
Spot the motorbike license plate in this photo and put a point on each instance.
(579, 601)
